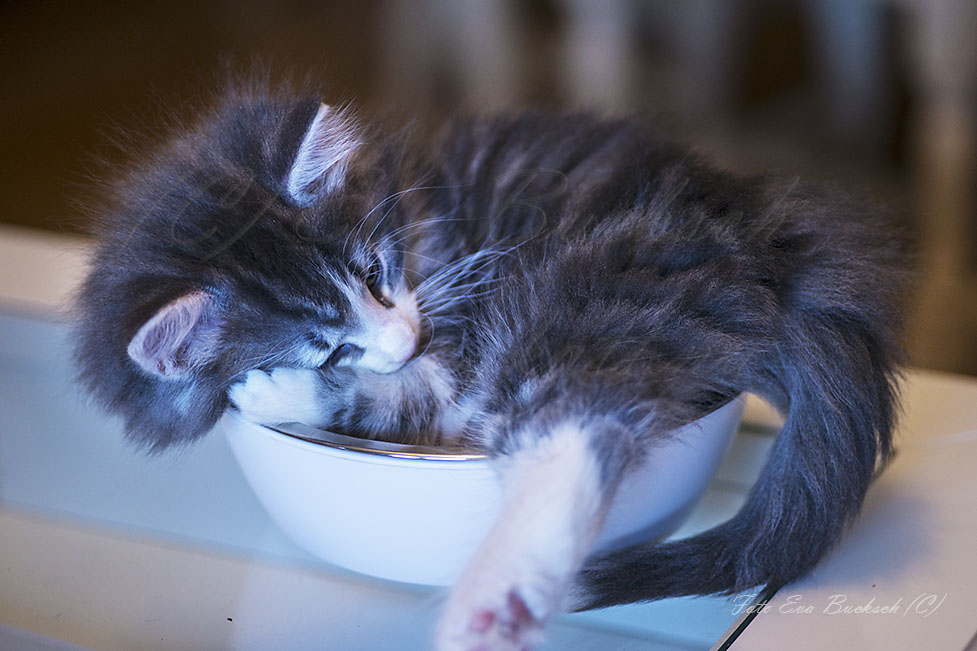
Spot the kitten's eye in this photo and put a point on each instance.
(374, 275)
(344, 354)
(374, 280)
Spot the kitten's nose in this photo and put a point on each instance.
(398, 341)
(387, 337)
(389, 346)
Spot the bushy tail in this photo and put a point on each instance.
(835, 378)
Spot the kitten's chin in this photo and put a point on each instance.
(383, 364)
(385, 369)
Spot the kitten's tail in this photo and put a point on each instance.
(836, 381)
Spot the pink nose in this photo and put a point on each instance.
(398, 341)
(387, 337)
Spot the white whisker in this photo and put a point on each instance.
(268, 359)
(396, 197)
(419, 223)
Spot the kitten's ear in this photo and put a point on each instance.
(323, 156)
(181, 336)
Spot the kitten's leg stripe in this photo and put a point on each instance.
(555, 503)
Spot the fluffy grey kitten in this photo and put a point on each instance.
(559, 291)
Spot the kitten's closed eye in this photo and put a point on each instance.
(344, 355)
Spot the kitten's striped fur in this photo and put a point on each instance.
(570, 290)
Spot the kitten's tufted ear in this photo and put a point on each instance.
(181, 336)
(323, 156)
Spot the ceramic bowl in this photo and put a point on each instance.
(416, 514)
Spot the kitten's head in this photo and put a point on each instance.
(259, 238)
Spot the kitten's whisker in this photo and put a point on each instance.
(428, 295)
(423, 222)
(453, 279)
(462, 268)
(455, 296)
(430, 333)
(424, 257)
(359, 225)
(257, 360)
(396, 197)
(452, 319)
(435, 306)
(268, 359)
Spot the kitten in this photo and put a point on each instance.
(561, 292)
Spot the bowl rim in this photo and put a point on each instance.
(336, 441)
(352, 444)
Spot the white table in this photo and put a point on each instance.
(105, 548)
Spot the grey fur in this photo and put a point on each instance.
(593, 271)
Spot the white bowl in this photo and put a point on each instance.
(417, 514)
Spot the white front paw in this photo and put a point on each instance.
(283, 395)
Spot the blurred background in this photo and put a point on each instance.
(878, 95)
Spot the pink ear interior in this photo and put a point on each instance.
(320, 162)
(178, 338)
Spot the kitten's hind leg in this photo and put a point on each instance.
(555, 500)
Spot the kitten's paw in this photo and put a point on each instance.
(280, 396)
(503, 623)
